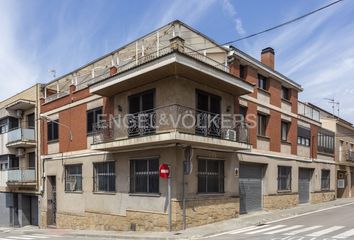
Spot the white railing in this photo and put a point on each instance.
(21, 134)
(22, 175)
(56, 96)
(3, 178)
(308, 111)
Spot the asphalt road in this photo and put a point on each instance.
(335, 223)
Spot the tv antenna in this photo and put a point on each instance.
(334, 104)
(53, 71)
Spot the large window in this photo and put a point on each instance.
(262, 123)
(141, 109)
(262, 82)
(285, 93)
(284, 131)
(104, 178)
(30, 120)
(325, 141)
(208, 114)
(303, 136)
(210, 176)
(13, 123)
(325, 179)
(73, 178)
(284, 178)
(144, 176)
(92, 117)
(53, 130)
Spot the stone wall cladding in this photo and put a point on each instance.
(280, 201)
(318, 197)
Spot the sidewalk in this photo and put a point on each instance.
(202, 231)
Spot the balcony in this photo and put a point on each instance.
(21, 176)
(3, 179)
(308, 112)
(173, 124)
(21, 137)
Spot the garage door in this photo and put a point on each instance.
(304, 185)
(250, 188)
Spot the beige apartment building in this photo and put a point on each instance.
(169, 98)
(19, 158)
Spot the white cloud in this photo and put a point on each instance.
(231, 11)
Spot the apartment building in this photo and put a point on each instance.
(169, 98)
(288, 164)
(344, 148)
(19, 154)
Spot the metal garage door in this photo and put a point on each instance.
(304, 185)
(250, 188)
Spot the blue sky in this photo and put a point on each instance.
(317, 52)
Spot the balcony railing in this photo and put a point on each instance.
(21, 176)
(3, 178)
(21, 134)
(308, 111)
(172, 118)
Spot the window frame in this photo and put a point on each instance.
(242, 71)
(210, 175)
(29, 159)
(29, 120)
(262, 119)
(287, 125)
(326, 180)
(325, 142)
(282, 177)
(74, 175)
(107, 175)
(262, 82)
(285, 93)
(95, 113)
(51, 129)
(301, 138)
(149, 173)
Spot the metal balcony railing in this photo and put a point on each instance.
(21, 175)
(21, 134)
(172, 118)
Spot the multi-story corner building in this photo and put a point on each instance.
(344, 151)
(19, 154)
(169, 97)
(286, 166)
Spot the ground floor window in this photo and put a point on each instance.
(210, 176)
(144, 176)
(73, 178)
(104, 179)
(284, 178)
(325, 179)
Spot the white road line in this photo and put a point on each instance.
(303, 230)
(345, 234)
(325, 231)
(20, 237)
(44, 236)
(36, 236)
(266, 229)
(243, 230)
(284, 229)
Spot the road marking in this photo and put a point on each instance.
(303, 230)
(325, 231)
(247, 229)
(345, 234)
(20, 237)
(37, 236)
(284, 229)
(266, 229)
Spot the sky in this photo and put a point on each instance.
(317, 52)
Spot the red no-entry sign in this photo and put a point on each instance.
(164, 171)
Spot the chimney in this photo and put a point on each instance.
(267, 57)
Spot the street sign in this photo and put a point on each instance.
(164, 171)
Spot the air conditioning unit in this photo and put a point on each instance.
(19, 113)
(20, 152)
(230, 134)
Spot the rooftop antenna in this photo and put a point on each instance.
(53, 71)
(334, 103)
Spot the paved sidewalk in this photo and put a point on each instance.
(202, 231)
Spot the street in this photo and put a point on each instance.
(333, 223)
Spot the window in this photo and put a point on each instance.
(30, 121)
(208, 114)
(13, 123)
(3, 125)
(31, 160)
(14, 162)
(144, 176)
(53, 130)
(303, 136)
(284, 178)
(73, 178)
(262, 82)
(243, 113)
(92, 118)
(141, 110)
(104, 179)
(210, 176)
(284, 131)
(325, 141)
(285, 93)
(325, 179)
(242, 71)
(262, 125)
